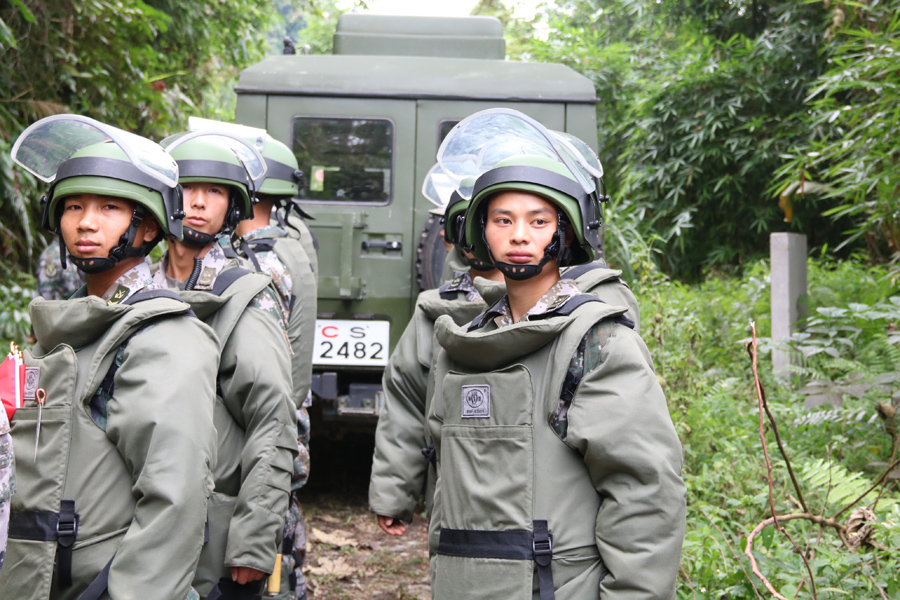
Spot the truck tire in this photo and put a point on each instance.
(430, 254)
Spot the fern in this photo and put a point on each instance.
(723, 388)
(837, 486)
(808, 372)
(836, 415)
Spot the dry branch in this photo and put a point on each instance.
(764, 409)
(775, 519)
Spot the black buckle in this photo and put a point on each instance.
(430, 454)
(543, 547)
(67, 525)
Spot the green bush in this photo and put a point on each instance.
(15, 294)
(697, 337)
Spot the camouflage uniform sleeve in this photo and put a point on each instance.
(52, 281)
(619, 421)
(7, 480)
(255, 378)
(169, 444)
(398, 466)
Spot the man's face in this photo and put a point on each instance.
(92, 225)
(519, 226)
(205, 206)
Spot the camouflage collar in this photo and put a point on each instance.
(462, 282)
(213, 263)
(556, 296)
(128, 284)
(265, 232)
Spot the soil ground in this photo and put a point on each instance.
(349, 557)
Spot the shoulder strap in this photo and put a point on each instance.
(252, 247)
(151, 294)
(108, 383)
(570, 305)
(575, 302)
(476, 323)
(226, 278)
(623, 320)
(262, 245)
(576, 272)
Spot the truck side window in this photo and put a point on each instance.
(444, 128)
(344, 159)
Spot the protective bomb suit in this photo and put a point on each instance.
(399, 469)
(399, 473)
(403, 462)
(271, 250)
(558, 464)
(116, 437)
(254, 409)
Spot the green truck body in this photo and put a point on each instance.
(365, 124)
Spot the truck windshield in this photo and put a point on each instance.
(344, 160)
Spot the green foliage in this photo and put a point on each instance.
(141, 65)
(851, 145)
(713, 118)
(594, 41)
(836, 486)
(18, 216)
(696, 336)
(310, 23)
(15, 293)
(700, 102)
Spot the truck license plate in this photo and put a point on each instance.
(350, 342)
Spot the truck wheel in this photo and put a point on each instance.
(430, 254)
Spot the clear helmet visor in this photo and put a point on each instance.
(581, 152)
(437, 187)
(481, 141)
(48, 143)
(250, 157)
(255, 136)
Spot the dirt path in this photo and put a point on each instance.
(350, 558)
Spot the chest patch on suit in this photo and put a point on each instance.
(32, 381)
(476, 401)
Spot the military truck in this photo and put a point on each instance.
(365, 124)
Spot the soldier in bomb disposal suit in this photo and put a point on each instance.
(558, 463)
(113, 500)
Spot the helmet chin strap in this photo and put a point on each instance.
(556, 249)
(523, 272)
(478, 264)
(125, 248)
(198, 239)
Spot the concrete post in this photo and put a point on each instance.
(789, 294)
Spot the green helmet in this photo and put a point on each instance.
(454, 219)
(205, 160)
(104, 169)
(283, 175)
(454, 230)
(552, 181)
